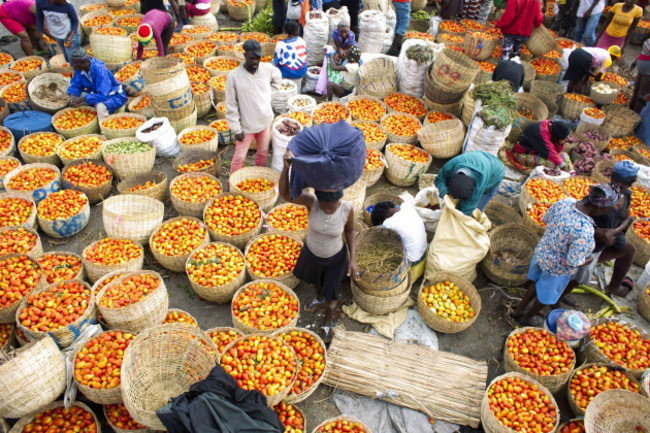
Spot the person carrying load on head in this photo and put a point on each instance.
(157, 25)
(93, 84)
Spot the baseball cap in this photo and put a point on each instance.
(254, 46)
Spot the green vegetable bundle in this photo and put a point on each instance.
(127, 147)
(420, 15)
(422, 54)
(261, 23)
(498, 104)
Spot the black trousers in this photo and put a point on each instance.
(353, 9)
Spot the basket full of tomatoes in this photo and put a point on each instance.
(120, 420)
(405, 163)
(330, 112)
(373, 133)
(38, 180)
(52, 416)
(233, 218)
(341, 424)
(199, 138)
(223, 336)
(64, 213)
(289, 218)
(91, 177)
(40, 147)
(17, 209)
(6, 140)
(191, 191)
(152, 184)
(20, 240)
(109, 255)
(72, 122)
(291, 417)
(27, 276)
(121, 125)
(273, 256)
(173, 241)
(401, 128)
(374, 167)
(366, 108)
(216, 271)
(264, 307)
(260, 183)
(61, 266)
(87, 146)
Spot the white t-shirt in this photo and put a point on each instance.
(408, 224)
(600, 57)
(586, 4)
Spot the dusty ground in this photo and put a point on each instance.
(484, 340)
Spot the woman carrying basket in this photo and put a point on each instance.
(323, 260)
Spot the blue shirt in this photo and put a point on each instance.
(291, 57)
(348, 42)
(98, 82)
(61, 19)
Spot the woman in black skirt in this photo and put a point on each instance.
(323, 260)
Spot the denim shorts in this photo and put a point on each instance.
(548, 288)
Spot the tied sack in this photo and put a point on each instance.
(460, 242)
(480, 136)
(327, 157)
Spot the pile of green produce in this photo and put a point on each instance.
(128, 147)
(421, 53)
(499, 106)
(261, 23)
(420, 15)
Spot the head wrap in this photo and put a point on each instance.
(614, 51)
(355, 53)
(559, 129)
(145, 34)
(329, 196)
(625, 172)
(602, 195)
(79, 54)
(572, 325)
(345, 22)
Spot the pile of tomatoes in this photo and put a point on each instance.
(544, 190)
(289, 218)
(540, 352)
(215, 265)
(14, 211)
(74, 118)
(438, 116)
(366, 109)
(265, 306)
(129, 290)
(374, 160)
(120, 417)
(255, 185)
(311, 356)
(408, 152)
(448, 301)
(62, 205)
(60, 419)
(222, 338)
(88, 174)
(196, 166)
(640, 203)
(56, 307)
(197, 189)
(19, 275)
(401, 125)
(577, 187)
(17, 241)
(405, 104)
(110, 251)
(122, 122)
(32, 178)
(302, 117)
(178, 316)
(60, 267)
(342, 425)
(590, 381)
(272, 255)
(330, 113)
(97, 365)
(127, 71)
(179, 237)
(6, 165)
(579, 98)
(372, 133)
(232, 215)
(81, 147)
(546, 66)
(41, 144)
(623, 345)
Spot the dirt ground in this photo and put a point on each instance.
(483, 341)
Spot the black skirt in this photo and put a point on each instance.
(579, 65)
(326, 274)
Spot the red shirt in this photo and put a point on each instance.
(520, 17)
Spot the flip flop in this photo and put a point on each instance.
(315, 305)
(627, 285)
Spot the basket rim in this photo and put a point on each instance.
(243, 271)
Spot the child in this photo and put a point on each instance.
(291, 54)
(62, 23)
(343, 37)
(342, 72)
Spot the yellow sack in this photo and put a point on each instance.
(460, 242)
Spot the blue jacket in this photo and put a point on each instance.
(101, 87)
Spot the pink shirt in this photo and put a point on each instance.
(18, 10)
(158, 20)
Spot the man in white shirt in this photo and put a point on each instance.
(248, 104)
(589, 12)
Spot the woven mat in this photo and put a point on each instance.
(442, 385)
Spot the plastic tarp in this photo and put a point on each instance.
(327, 157)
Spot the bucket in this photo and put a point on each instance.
(164, 137)
(644, 278)
(551, 320)
(23, 123)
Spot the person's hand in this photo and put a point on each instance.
(605, 237)
(41, 42)
(589, 260)
(287, 158)
(353, 270)
(75, 101)
(239, 136)
(68, 40)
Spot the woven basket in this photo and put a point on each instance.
(207, 20)
(239, 241)
(378, 78)
(390, 279)
(436, 322)
(131, 216)
(245, 329)
(454, 108)
(65, 335)
(370, 98)
(146, 382)
(149, 311)
(620, 120)
(215, 72)
(394, 138)
(382, 302)
(175, 263)
(203, 102)
(30, 222)
(540, 41)
(52, 158)
(518, 241)
(323, 104)
(642, 246)
(125, 165)
(577, 410)
(211, 331)
(598, 173)
(37, 250)
(134, 85)
(158, 191)
(585, 127)
(553, 382)
(341, 418)
(589, 352)
(95, 271)
(240, 11)
(375, 145)
(372, 176)
(23, 423)
(401, 172)
(66, 227)
(605, 98)
(111, 134)
(537, 108)
(199, 60)
(185, 122)
(637, 151)
(546, 90)
(194, 156)
(89, 128)
(111, 48)
(146, 111)
(553, 78)
(194, 209)
(500, 214)
(394, 111)
(302, 234)
(288, 279)
(376, 198)
(97, 156)
(32, 379)
(88, 29)
(529, 75)
(40, 193)
(160, 69)
(478, 48)
(454, 70)
(94, 193)
(617, 411)
(100, 6)
(210, 145)
(266, 199)
(418, 5)
(218, 294)
(30, 74)
(571, 109)
(4, 112)
(438, 93)
(8, 313)
(490, 422)
(46, 79)
(443, 139)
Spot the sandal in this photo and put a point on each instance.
(627, 285)
(535, 321)
(327, 332)
(315, 305)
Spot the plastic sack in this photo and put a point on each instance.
(391, 19)
(486, 138)
(460, 244)
(590, 120)
(316, 33)
(311, 79)
(372, 29)
(388, 40)
(301, 103)
(280, 143)
(643, 177)
(428, 197)
(68, 353)
(164, 137)
(279, 98)
(321, 84)
(326, 157)
(434, 22)
(294, 10)
(539, 172)
(411, 74)
(335, 16)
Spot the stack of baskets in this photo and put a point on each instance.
(620, 120)
(114, 50)
(169, 87)
(447, 80)
(443, 139)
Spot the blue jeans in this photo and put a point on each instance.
(403, 13)
(76, 42)
(586, 28)
(487, 197)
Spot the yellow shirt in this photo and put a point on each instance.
(622, 21)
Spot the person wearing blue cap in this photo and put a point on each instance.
(566, 244)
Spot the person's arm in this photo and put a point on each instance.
(579, 251)
(75, 88)
(337, 45)
(232, 109)
(159, 43)
(630, 30)
(74, 23)
(102, 83)
(139, 51)
(276, 78)
(539, 17)
(336, 66)
(509, 16)
(283, 184)
(553, 154)
(351, 239)
(40, 24)
(608, 20)
(443, 177)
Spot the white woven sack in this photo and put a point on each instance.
(372, 29)
(335, 16)
(388, 40)
(391, 18)
(310, 81)
(309, 108)
(164, 137)
(279, 98)
(486, 138)
(280, 143)
(316, 33)
(411, 74)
